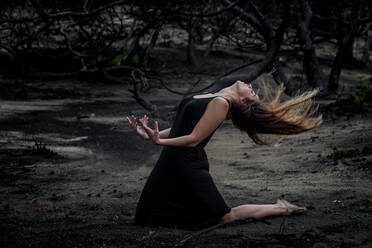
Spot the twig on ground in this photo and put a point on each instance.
(224, 224)
(282, 226)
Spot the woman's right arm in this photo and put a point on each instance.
(213, 116)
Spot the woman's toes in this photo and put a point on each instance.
(300, 211)
(291, 208)
(280, 203)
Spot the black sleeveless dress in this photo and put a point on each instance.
(180, 192)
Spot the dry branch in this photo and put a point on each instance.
(240, 221)
(65, 14)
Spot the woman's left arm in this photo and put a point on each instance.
(164, 133)
(214, 115)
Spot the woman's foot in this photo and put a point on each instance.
(289, 207)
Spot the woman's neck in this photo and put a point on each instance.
(228, 93)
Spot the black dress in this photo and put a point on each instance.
(180, 192)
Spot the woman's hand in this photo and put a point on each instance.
(152, 133)
(139, 129)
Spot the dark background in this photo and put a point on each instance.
(71, 169)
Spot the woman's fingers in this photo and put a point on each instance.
(134, 122)
(145, 119)
(130, 121)
(148, 130)
(156, 127)
(153, 134)
(144, 122)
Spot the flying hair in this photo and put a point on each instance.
(272, 116)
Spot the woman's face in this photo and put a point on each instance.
(246, 91)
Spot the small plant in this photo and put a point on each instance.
(148, 238)
(117, 60)
(135, 61)
(359, 216)
(328, 210)
(366, 207)
(333, 116)
(252, 57)
(149, 235)
(341, 205)
(362, 208)
(359, 97)
(339, 153)
(351, 196)
(40, 148)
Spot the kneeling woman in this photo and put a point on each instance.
(180, 192)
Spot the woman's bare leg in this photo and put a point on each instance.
(281, 207)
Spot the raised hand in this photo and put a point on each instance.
(139, 129)
(152, 133)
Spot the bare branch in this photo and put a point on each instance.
(241, 67)
(223, 224)
(229, 7)
(46, 15)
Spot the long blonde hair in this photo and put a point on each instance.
(273, 116)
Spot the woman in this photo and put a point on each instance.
(180, 191)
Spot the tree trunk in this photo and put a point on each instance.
(273, 43)
(211, 43)
(366, 48)
(345, 44)
(150, 47)
(349, 55)
(191, 57)
(314, 74)
(339, 60)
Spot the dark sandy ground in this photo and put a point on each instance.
(81, 189)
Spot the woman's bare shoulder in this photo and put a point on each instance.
(220, 102)
(218, 105)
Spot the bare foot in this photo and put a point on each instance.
(291, 208)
